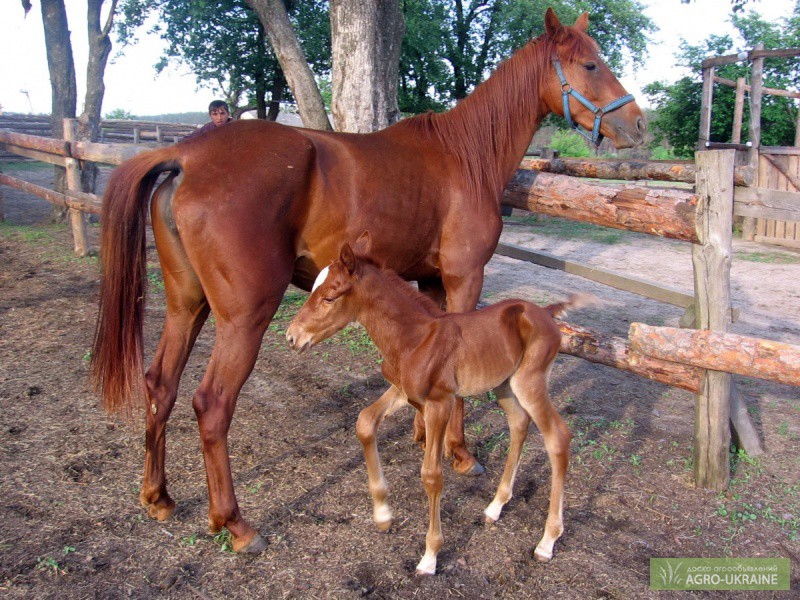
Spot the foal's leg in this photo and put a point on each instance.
(437, 412)
(367, 426)
(462, 295)
(518, 421)
(187, 310)
(530, 389)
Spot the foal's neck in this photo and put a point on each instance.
(393, 313)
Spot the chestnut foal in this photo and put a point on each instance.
(430, 357)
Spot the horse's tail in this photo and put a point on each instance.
(117, 369)
(573, 302)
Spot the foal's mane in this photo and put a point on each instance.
(483, 125)
(408, 291)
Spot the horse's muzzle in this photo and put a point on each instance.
(293, 337)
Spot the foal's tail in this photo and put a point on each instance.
(573, 302)
(117, 369)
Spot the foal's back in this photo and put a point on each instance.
(494, 342)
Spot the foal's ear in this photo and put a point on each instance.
(347, 258)
(582, 22)
(552, 25)
(363, 244)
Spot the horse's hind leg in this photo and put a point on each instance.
(366, 427)
(187, 310)
(530, 387)
(518, 422)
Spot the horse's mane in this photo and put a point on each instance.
(485, 121)
(407, 290)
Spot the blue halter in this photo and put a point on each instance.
(567, 90)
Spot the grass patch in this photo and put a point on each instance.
(6, 166)
(564, 228)
(773, 258)
(28, 233)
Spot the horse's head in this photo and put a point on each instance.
(583, 90)
(330, 307)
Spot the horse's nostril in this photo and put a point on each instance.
(641, 125)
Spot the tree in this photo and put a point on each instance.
(61, 66)
(452, 45)
(275, 19)
(678, 103)
(366, 38)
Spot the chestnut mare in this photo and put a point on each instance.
(252, 206)
(429, 358)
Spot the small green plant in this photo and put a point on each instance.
(155, 279)
(783, 428)
(48, 563)
(224, 540)
(188, 540)
(635, 460)
(775, 258)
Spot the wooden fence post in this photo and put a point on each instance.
(738, 111)
(711, 259)
(756, 94)
(706, 102)
(76, 217)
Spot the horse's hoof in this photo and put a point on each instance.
(542, 555)
(384, 526)
(162, 513)
(468, 469)
(254, 545)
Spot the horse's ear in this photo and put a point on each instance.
(347, 258)
(552, 25)
(363, 244)
(582, 22)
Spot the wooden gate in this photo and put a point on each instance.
(779, 169)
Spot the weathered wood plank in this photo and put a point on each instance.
(76, 200)
(619, 281)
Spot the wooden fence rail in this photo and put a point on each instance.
(674, 213)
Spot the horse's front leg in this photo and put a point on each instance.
(366, 428)
(437, 412)
(462, 295)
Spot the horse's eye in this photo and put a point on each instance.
(590, 66)
(328, 300)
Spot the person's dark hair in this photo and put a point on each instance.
(218, 104)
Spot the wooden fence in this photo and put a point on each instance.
(775, 168)
(702, 217)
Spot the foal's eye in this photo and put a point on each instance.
(590, 66)
(328, 300)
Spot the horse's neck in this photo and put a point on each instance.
(391, 316)
(494, 125)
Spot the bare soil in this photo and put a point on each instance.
(69, 475)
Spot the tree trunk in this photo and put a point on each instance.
(274, 18)
(62, 81)
(99, 51)
(366, 36)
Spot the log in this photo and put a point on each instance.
(35, 142)
(720, 351)
(77, 200)
(617, 352)
(663, 212)
(745, 87)
(611, 168)
(110, 154)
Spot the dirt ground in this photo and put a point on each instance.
(72, 526)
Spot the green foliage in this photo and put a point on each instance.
(119, 113)
(661, 153)
(224, 44)
(570, 143)
(678, 103)
(452, 45)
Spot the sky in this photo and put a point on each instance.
(133, 85)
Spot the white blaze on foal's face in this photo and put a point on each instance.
(323, 275)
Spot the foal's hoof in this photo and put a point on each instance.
(254, 545)
(468, 468)
(542, 555)
(384, 526)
